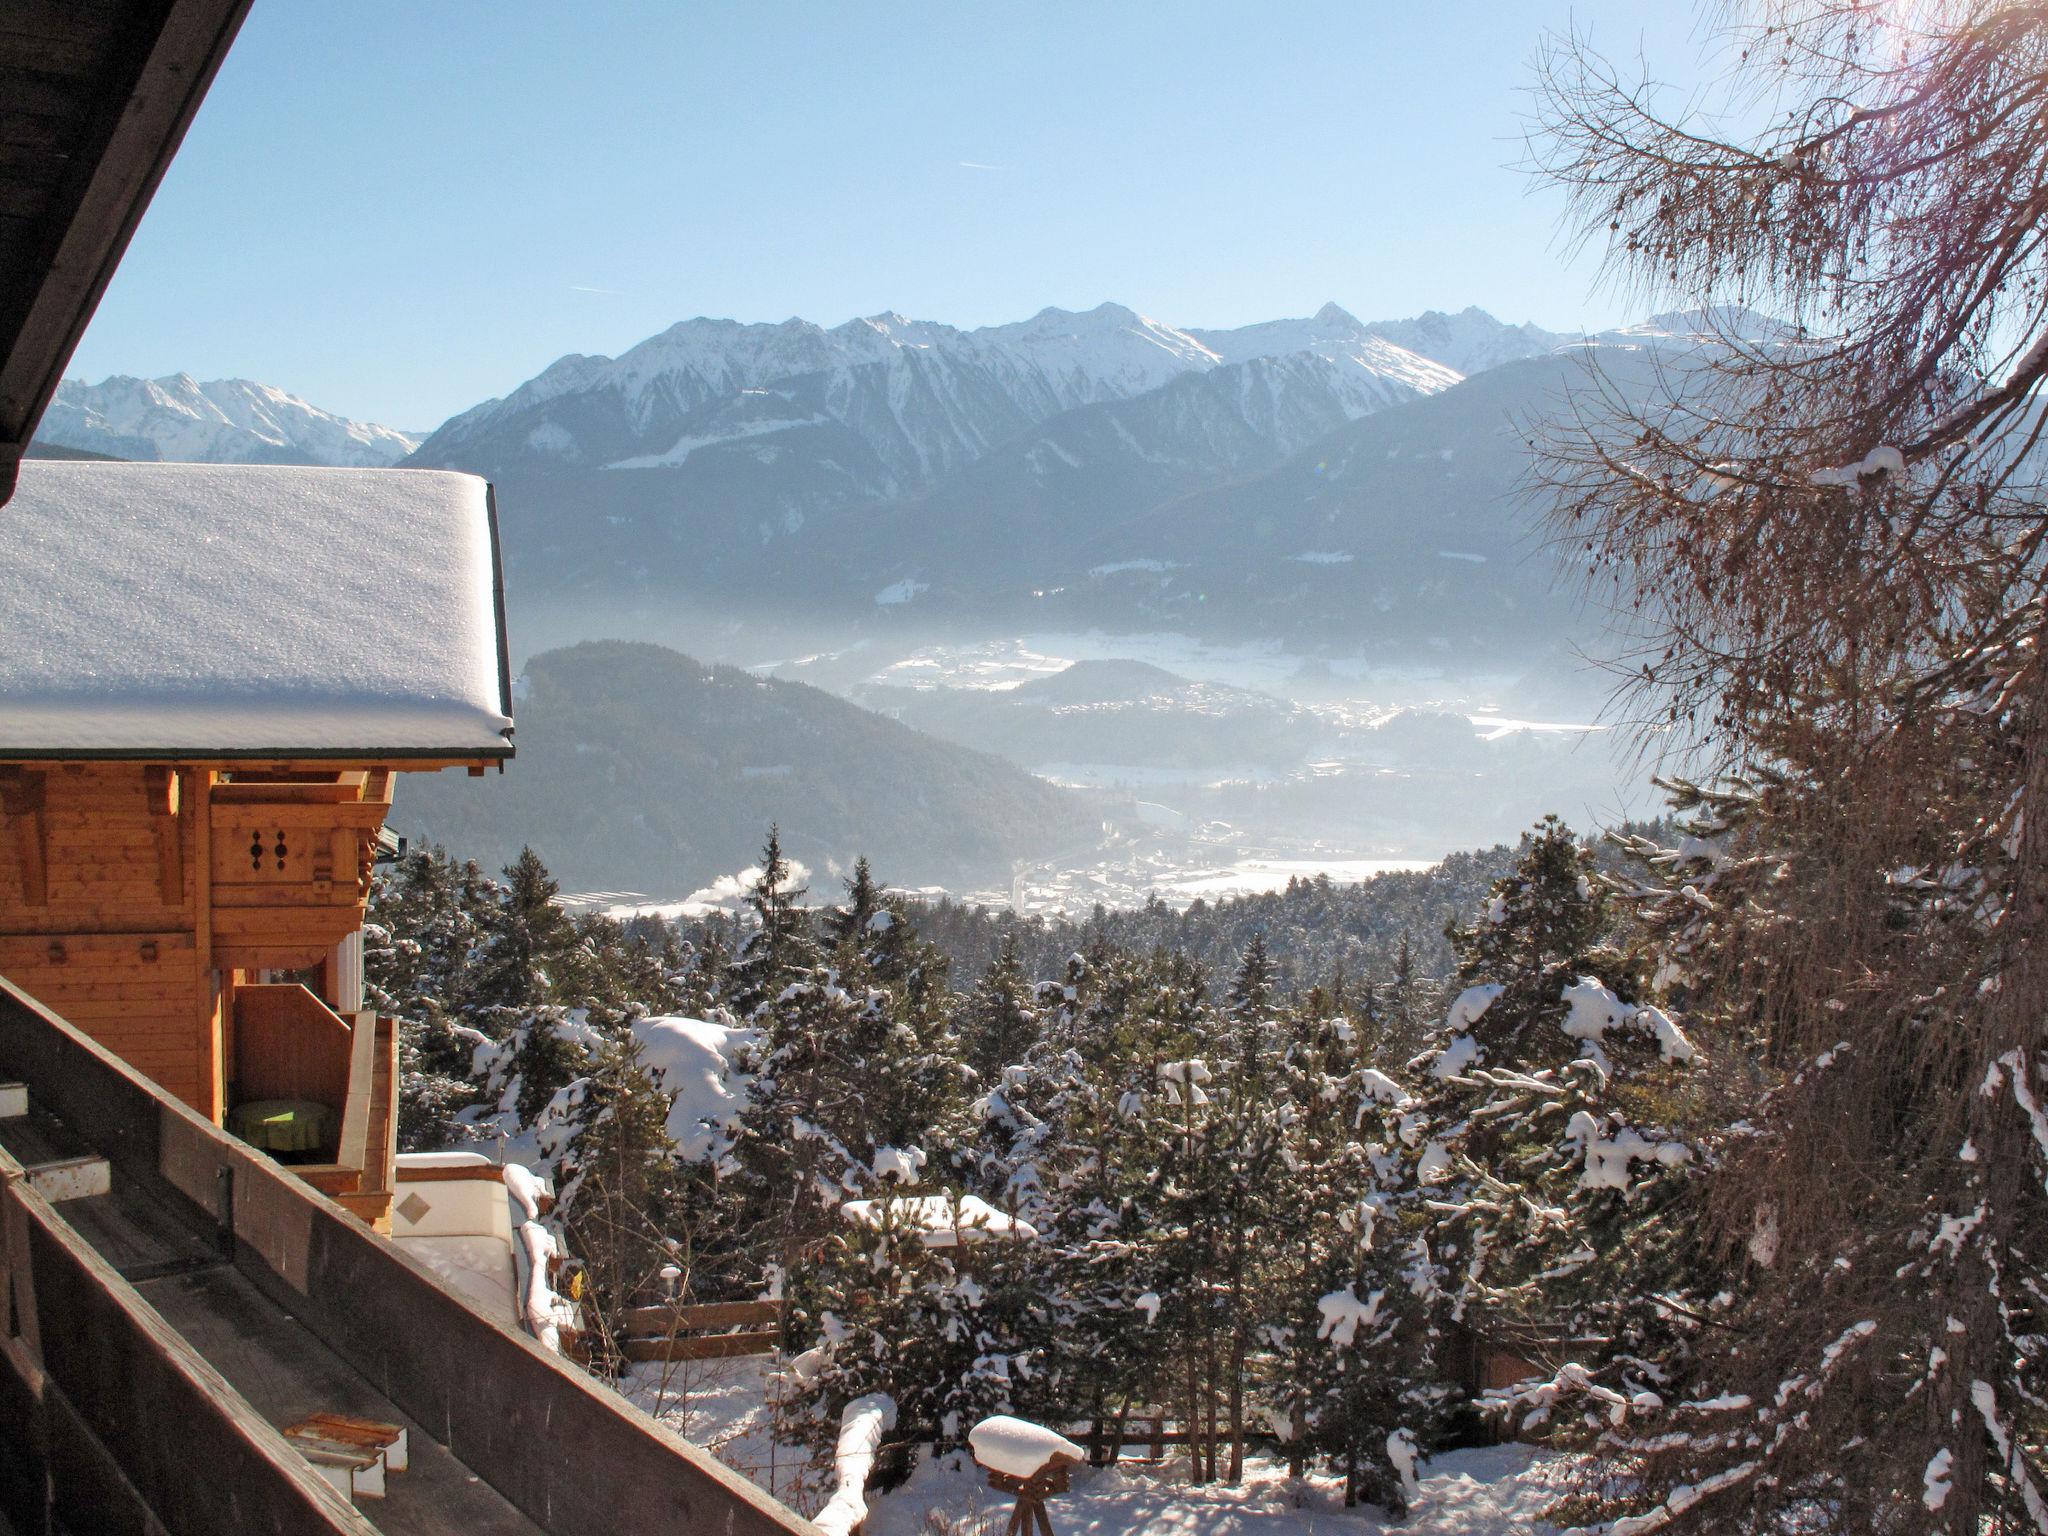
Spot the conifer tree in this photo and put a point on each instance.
(846, 925)
(1547, 1134)
(704, 980)
(527, 953)
(998, 1022)
(619, 1185)
(781, 947)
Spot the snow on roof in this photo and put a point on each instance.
(934, 1217)
(249, 610)
(443, 1160)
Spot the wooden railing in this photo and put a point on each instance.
(290, 1045)
(704, 1331)
(487, 1393)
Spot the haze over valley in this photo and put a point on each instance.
(1248, 603)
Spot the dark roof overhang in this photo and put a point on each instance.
(94, 101)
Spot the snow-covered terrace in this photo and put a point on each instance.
(156, 610)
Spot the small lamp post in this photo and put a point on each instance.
(1028, 1461)
(670, 1274)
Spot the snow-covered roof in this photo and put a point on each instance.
(250, 611)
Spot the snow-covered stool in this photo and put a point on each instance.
(1027, 1460)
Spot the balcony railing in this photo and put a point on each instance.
(291, 1048)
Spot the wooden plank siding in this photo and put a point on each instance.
(143, 1009)
(136, 896)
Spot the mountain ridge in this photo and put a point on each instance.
(223, 421)
(654, 771)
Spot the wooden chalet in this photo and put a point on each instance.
(209, 679)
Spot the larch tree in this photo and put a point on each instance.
(1833, 530)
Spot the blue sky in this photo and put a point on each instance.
(400, 210)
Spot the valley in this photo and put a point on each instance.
(1183, 612)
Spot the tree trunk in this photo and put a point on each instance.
(1237, 1353)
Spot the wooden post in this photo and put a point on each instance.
(1028, 1516)
(160, 789)
(22, 800)
(216, 1016)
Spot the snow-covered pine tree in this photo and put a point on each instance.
(782, 946)
(620, 1187)
(917, 1096)
(1410, 1006)
(1549, 1139)
(1248, 1129)
(1073, 1136)
(527, 954)
(846, 925)
(951, 1331)
(704, 980)
(424, 926)
(998, 1022)
(1378, 1372)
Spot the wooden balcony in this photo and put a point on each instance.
(290, 865)
(289, 1047)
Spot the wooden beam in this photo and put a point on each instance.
(22, 800)
(143, 99)
(160, 786)
(705, 1346)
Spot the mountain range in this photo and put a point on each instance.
(1353, 481)
(229, 421)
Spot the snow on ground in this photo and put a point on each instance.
(1492, 727)
(723, 1405)
(1256, 876)
(1144, 776)
(1490, 1491)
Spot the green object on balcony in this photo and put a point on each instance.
(281, 1125)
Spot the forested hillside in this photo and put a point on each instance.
(1314, 931)
(1266, 1197)
(653, 772)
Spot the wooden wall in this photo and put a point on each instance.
(135, 896)
(100, 913)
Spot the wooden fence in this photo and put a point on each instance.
(715, 1330)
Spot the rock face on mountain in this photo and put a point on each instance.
(653, 772)
(229, 421)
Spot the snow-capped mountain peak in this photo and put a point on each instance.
(226, 421)
(1112, 348)
(1335, 336)
(882, 403)
(1470, 341)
